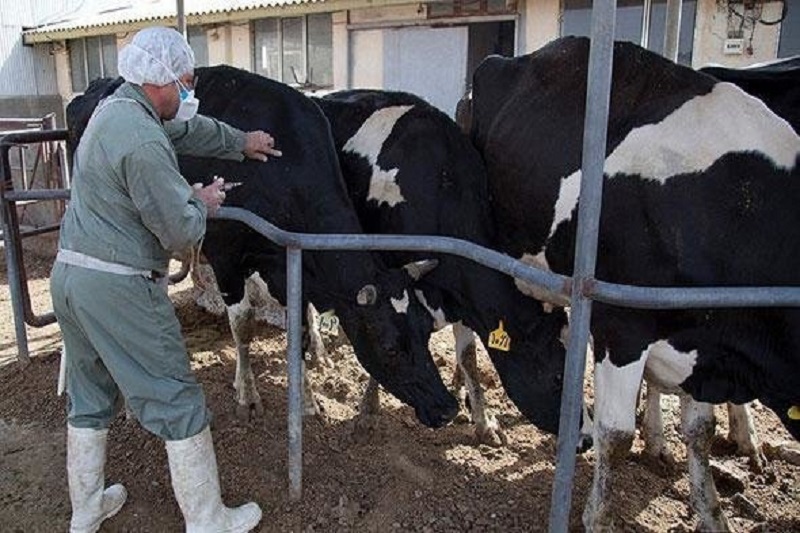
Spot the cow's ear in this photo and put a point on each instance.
(368, 295)
(418, 269)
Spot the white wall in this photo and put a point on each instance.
(712, 28)
(429, 62)
(538, 24)
(24, 70)
(366, 59)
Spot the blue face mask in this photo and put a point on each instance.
(188, 106)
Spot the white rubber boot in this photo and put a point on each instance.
(86, 458)
(193, 467)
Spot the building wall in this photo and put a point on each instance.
(366, 59)
(341, 51)
(359, 48)
(539, 23)
(711, 31)
(28, 86)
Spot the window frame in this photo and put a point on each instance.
(279, 39)
(85, 53)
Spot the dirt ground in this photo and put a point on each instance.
(399, 477)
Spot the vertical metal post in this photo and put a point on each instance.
(8, 219)
(672, 29)
(598, 90)
(294, 302)
(181, 18)
(647, 11)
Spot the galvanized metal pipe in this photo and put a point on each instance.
(598, 91)
(20, 303)
(690, 298)
(37, 194)
(294, 302)
(672, 29)
(180, 18)
(555, 283)
(9, 220)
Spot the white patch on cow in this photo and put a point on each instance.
(368, 143)
(238, 312)
(464, 336)
(439, 320)
(528, 289)
(568, 195)
(616, 392)
(701, 131)
(400, 304)
(690, 140)
(668, 367)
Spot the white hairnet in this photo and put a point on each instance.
(156, 56)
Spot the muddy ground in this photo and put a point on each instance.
(399, 477)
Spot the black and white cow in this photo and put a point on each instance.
(776, 83)
(303, 191)
(701, 188)
(410, 170)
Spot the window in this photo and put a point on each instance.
(631, 24)
(199, 45)
(789, 44)
(469, 8)
(295, 50)
(91, 58)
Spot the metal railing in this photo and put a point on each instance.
(15, 263)
(581, 289)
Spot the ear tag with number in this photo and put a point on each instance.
(499, 339)
(329, 323)
(794, 412)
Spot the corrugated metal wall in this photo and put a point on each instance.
(24, 70)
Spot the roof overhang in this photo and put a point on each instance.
(135, 16)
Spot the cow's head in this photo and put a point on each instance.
(389, 331)
(532, 370)
(303, 191)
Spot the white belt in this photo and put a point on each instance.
(86, 261)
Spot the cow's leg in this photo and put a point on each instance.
(743, 433)
(697, 425)
(242, 320)
(369, 408)
(655, 445)
(315, 346)
(487, 430)
(310, 407)
(315, 353)
(616, 392)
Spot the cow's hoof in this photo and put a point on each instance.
(462, 418)
(660, 460)
(756, 461)
(491, 436)
(247, 411)
(585, 443)
(365, 425)
(311, 408)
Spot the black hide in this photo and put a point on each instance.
(444, 184)
(734, 222)
(303, 191)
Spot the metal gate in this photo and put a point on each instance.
(582, 288)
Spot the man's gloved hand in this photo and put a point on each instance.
(259, 144)
(211, 195)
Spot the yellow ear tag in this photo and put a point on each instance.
(499, 339)
(794, 412)
(329, 323)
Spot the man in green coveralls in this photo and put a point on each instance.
(130, 208)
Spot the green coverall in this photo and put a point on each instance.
(130, 206)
